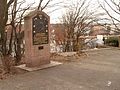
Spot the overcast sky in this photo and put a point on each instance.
(55, 15)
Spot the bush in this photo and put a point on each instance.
(112, 41)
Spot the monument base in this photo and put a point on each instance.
(45, 66)
(37, 61)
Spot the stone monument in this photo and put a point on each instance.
(37, 48)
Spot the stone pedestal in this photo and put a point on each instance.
(37, 48)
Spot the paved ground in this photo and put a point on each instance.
(99, 71)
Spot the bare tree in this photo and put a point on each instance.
(49, 5)
(40, 7)
(11, 15)
(114, 7)
(4, 6)
(17, 14)
(77, 20)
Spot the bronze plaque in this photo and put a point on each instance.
(40, 30)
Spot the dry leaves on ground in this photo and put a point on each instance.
(68, 56)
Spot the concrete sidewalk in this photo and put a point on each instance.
(99, 71)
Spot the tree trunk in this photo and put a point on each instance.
(7, 63)
(18, 51)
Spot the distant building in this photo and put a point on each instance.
(59, 32)
(57, 37)
(98, 30)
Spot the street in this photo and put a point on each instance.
(99, 71)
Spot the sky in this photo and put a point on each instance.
(55, 12)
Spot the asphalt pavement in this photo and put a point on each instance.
(100, 70)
